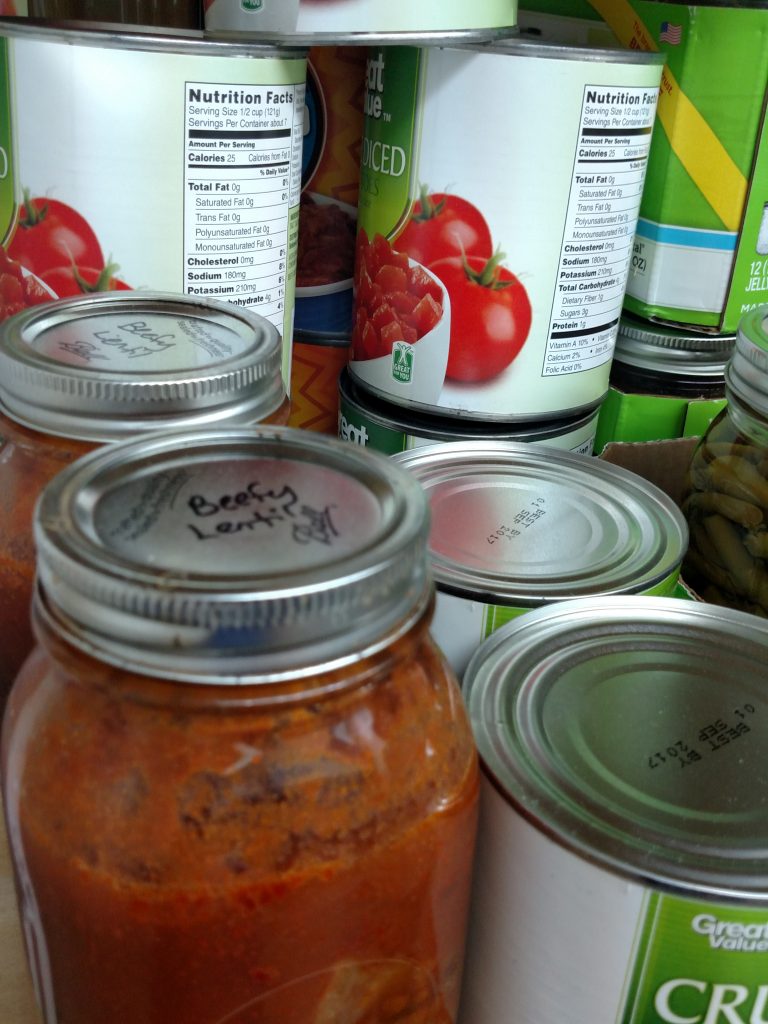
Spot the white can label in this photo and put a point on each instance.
(192, 186)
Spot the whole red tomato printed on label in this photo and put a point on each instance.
(440, 225)
(490, 316)
(51, 234)
(395, 299)
(76, 280)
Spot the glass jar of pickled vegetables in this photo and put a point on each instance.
(238, 777)
(84, 371)
(726, 494)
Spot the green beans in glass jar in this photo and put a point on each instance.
(726, 493)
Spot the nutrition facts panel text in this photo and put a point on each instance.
(242, 179)
(603, 206)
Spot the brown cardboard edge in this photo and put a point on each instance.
(663, 463)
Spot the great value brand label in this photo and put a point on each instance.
(492, 261)
(194, 187)
(699, 963)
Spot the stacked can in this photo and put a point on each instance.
(339, 34)
(493, 254)
(193, 188)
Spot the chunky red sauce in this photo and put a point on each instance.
(196, 860)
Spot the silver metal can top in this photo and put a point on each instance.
(663, 349)
(114, 364)
(522, 525)
(632, 731)
(747, 371)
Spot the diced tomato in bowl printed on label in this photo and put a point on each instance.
(395, 299)
(401, 325)
(19, 288)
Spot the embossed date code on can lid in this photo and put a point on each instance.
(523, 525)
(107, 365)
(232, 554)
(633, 731)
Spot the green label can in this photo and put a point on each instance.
(621, 875)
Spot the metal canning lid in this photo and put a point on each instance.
(632, 731)
(523, 525)
(747, 371)
(112, 364)
(456, 427)
(232, 555)
(668, 350)
(150, 38)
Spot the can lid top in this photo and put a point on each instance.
(632, 730)
(521, 524)
(117, 363)
(231, 555)
(665, 349)
(747, 371)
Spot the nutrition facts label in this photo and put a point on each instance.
(603, 206)
(242, 179)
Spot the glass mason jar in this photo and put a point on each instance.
(726, 492)
(239, 781)
(81, 372)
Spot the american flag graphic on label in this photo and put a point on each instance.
(670, 33)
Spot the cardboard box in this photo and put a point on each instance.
(700, 256)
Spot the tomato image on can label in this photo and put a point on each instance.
(526, 235)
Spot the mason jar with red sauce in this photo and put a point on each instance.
(81, 372)
(239, 781)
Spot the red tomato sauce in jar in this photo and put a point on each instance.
(230, 799)
(78, 373)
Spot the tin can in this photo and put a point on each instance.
(621, 872)
(82, 372)
(492, 262)
(665, 383)
(327, 22)
(315, 369)
(330, 179)
(194, 187)
(245, 612)
(368, 420)
(517, 526)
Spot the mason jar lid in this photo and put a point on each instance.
(520, 524)
(747, 371)
(112, 364)
(232, 555)
(664, 349)
(633, 731)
